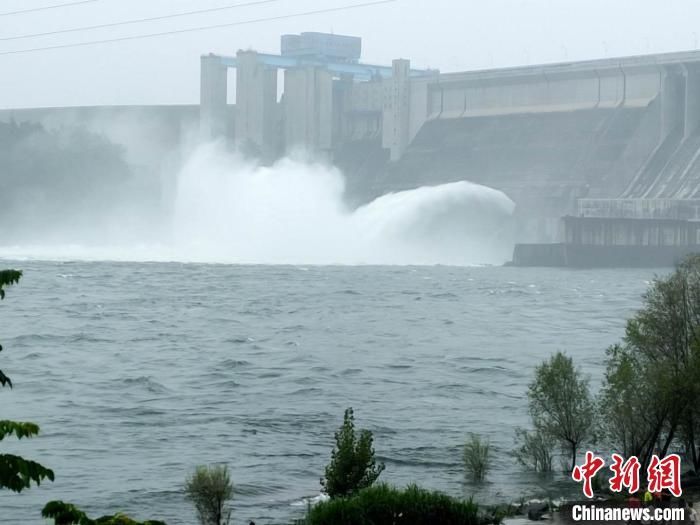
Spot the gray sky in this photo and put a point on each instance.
(450, 35)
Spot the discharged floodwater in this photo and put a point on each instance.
(138, 372)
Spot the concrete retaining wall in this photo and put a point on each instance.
(472, 95)
(680, 209)
(630, 232)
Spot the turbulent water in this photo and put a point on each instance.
(138, 372)
(222, 208)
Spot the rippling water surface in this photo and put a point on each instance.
(139, 372)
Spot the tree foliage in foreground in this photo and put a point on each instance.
(650, 400)
(7, 278)
(17, 473)
(352, 465)
(68, 514)
(561, 405)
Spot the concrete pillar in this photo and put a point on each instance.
(256, 106)
(420, 102)
(212, 98)
(397, 110)
(672, 101)
(692, 98)
(308, 109)
(342, 108)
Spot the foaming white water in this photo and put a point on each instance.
(293, 213)
(227, 210)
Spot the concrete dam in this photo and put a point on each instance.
(613, 140)
(601, 157)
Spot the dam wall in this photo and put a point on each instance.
(545, 162)
(544, 89)
(609, 139)
(552, 135)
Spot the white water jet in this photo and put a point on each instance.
(293, 212)
(225, 209)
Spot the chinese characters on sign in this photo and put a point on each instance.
(662, 474)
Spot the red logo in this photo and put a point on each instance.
(587, 472)
(662, 474)
(625, 474)
(665, 474)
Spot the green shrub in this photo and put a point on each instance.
(386, 505)
(352, 465)
(535, 451)
(209, 489)
(476, 457)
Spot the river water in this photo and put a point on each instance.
(138, 372)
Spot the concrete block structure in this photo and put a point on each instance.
(328, 97)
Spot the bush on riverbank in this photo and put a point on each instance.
(352, 465)
(209, 489)
(535, 450)
(385, 504)
(477, 459)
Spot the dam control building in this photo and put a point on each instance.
(327, 97)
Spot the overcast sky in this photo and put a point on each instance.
(450, 35)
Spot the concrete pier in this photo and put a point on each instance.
(256, 106)
(308, 109)
(397, 110)
(212, 99)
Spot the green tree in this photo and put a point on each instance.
(210, 489)
(629, 412)
(352, 465)
(17, 473)
(651, 393)
(561, 406)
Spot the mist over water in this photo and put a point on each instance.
(223, 208)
